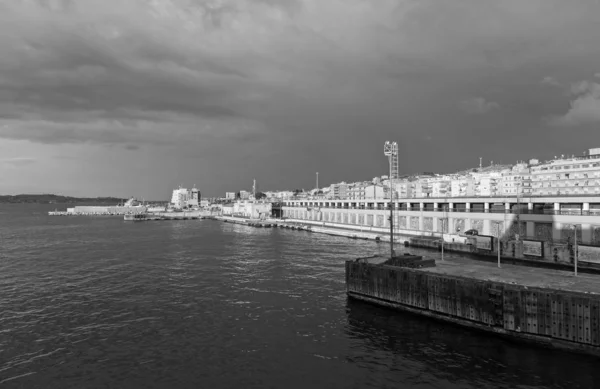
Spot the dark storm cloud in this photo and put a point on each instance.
(296, 75)
(64, 82)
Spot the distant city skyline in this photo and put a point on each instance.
(140, 97)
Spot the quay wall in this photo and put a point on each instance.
(556, 318)
(180, 214)
(550, 252)
(542, 237)
(104, 210)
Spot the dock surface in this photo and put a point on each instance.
(515, 274)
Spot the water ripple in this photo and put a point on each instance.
(96, 302)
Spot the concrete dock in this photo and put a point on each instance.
(549, 307)
(516, 274)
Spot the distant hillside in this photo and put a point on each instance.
(52, 199)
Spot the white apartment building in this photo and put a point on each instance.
(515, 182)
(284, 194)
(244, 195)
(569, 176)
(406, 189)
(487, 184)
(251, 209)
(376, 192)
(462, 186)
(339, 191)
(230, 195)
(356, 191)
(441, 187)
(423, 187)
(183, 198)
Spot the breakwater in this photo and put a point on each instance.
(543, 306)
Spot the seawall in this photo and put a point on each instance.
(566, 318)
(561, 256)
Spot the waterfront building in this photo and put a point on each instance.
(129, 207)
(279, 195)
(423, 187)
(356, 190)
(386, 188)
(339, 190)
(462, 186)
(185, 198)
(244, 195)
(440, 187)
(376, 192)
(537, 218)
(568, 176)
(516, 182)
(552, 202)
(227, 209)
(230, 195)
(247, 209)
(405, 189)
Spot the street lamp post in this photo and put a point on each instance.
(498, 240)
(499, 247)
(576, 251)
(443, 229)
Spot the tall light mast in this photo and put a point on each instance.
(317, 181)
(390, 150)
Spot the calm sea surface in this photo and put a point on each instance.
(97, 302)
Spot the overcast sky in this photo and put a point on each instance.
(134, 97)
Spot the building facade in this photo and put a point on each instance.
(185, 198)
(547, 219)
(578, 176)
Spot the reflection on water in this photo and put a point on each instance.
(461, 357)
(97, 302)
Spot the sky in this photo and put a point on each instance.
(136, 97)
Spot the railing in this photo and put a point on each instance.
(563, 212)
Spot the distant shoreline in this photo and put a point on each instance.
(58, 199)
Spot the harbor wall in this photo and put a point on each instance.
(550, 252)
(548, 237)
(104, 210)
(557, 318)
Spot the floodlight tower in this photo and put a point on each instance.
(390, 150)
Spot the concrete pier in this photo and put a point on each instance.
(545, 306)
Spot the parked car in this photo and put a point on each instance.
(471, 232)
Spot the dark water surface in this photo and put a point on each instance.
(97, 302)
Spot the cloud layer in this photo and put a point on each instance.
(478, 106)
(262, 75)
(585, 106)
